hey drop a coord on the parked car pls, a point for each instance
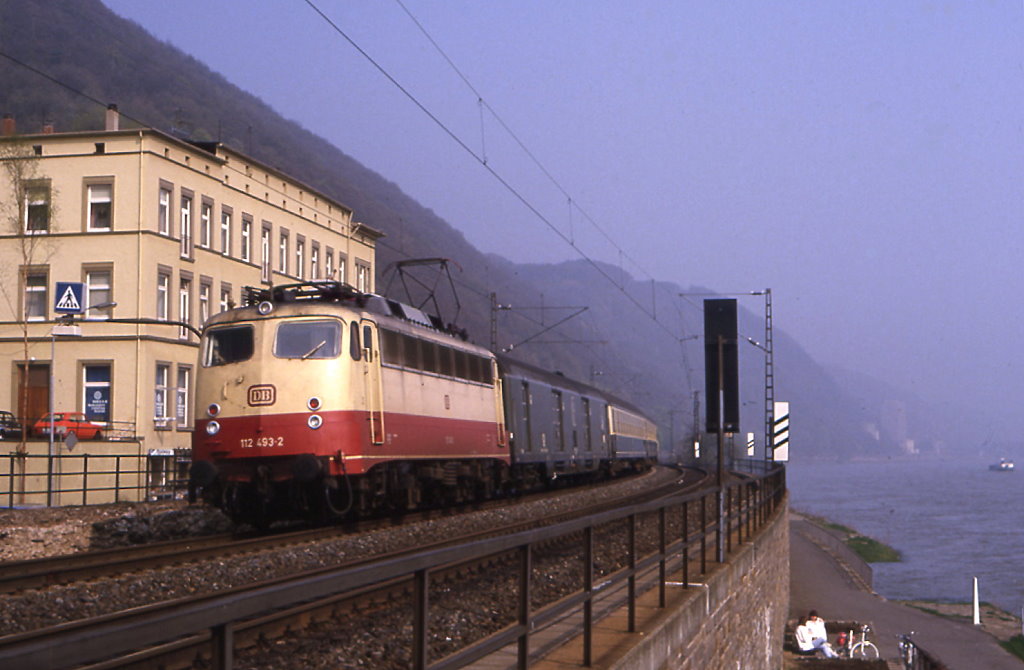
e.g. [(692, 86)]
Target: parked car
[(68, 422), (10, 428)]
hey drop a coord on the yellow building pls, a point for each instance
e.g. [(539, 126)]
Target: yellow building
[(167, 230)]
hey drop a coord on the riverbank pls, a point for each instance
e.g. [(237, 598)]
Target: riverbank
[(1002, 625), (868, 548), (821, 580)]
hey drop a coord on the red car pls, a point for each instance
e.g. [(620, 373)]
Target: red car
[(68, 422)]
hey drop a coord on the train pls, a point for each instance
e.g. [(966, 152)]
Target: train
[(315, 401)]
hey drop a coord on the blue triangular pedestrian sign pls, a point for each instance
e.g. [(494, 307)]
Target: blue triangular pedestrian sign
[(68, 297)]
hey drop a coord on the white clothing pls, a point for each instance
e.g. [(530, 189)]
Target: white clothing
[(804, 639)]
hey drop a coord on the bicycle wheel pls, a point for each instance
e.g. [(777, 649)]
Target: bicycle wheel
[(864, 650)]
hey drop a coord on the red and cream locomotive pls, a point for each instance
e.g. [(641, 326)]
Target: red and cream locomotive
[(317, 401)]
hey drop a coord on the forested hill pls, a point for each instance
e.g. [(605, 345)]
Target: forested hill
[(91, 57)]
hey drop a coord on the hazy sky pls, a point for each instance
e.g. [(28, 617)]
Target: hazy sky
[(861, 158)]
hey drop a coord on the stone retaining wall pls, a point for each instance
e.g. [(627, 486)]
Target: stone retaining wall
[(735, 620)]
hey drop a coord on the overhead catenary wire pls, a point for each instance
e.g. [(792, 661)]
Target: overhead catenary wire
[(493, 172), (82, 94), (482, 159)]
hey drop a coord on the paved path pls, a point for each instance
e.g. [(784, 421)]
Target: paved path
[(818, 581)]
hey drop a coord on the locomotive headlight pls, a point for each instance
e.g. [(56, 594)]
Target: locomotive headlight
[(265, 307), (213, 409), (314, 404), (314, 421), (212, 428)]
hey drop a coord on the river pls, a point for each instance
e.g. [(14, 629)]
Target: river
[(951, 521)]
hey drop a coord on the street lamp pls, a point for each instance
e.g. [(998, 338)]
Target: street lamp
[(68, 328), (769, 375)]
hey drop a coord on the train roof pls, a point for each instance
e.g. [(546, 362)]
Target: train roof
[(339, 293), (514, 367)]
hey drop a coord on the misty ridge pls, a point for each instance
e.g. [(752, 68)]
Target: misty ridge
[(614, 344)]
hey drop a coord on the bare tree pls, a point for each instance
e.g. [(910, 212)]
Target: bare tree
[(27, 213)]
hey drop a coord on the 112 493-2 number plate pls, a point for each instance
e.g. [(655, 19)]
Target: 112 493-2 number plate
[(263, 442)]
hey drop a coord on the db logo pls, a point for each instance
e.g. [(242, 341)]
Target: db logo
[(263, 394)]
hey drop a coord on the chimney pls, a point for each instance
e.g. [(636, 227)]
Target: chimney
[(113, 118), (47, 127), (9, 126)]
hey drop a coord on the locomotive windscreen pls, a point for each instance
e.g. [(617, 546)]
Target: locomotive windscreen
[(227, 345), (308, 339)]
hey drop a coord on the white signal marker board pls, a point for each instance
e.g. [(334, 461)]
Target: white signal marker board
[(780, 432)]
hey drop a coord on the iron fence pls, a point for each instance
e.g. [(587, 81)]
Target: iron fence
[(216, 619), (32, 480), (914, 657), (110, 431)]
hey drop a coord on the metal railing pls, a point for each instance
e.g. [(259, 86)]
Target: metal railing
[(86, 479), (913, 657), (215, 620), (113, 431)]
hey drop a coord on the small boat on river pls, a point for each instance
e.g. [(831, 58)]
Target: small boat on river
[(1004, 465)]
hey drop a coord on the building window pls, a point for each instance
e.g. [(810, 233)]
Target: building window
[(204, 302), (186, 226), (329, 264), (314, 262), (181, 396), (246, 237), (163, 216), (96, 393), (300, 257), (99, 290), (36, 294), (282, 254), (184, 306), (363, 278), (225, 232), (342, 269), (100, 199), (161, 390), (163, 292), (265, 254), (205, 224), (225, 297), (37, 208)]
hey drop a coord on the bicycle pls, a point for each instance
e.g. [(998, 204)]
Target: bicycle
[(859, 649), (908, 650)]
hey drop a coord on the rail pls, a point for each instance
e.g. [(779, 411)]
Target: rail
[(83, 479), (217, 618)]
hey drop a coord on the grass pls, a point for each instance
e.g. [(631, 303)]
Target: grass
[(870, 549), (1015, 645)]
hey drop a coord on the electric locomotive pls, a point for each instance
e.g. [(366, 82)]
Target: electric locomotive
[(317, 401)]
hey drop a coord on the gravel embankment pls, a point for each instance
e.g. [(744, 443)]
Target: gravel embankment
[(28, 533)]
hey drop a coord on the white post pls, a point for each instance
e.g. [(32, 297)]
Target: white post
[(977, 610)]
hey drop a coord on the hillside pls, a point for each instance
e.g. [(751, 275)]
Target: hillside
[(612, 343)]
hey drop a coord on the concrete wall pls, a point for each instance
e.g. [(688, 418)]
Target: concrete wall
[(735, 622)]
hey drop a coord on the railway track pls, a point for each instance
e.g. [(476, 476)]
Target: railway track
[(83, 566), (83, 630), (65, 569)]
